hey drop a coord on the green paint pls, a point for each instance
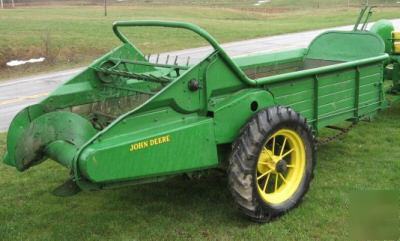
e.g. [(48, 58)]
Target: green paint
[(172, 146), (124, 120), (384, 29)]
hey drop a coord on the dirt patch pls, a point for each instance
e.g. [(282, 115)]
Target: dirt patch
[(269, 10)]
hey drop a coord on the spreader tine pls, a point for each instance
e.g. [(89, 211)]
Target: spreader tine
[(187, 61), (166, 62)]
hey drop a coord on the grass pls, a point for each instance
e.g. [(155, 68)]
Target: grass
[(368, 158), (75, 35)]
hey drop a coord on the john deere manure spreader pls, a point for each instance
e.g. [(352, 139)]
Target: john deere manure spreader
[(126, 120)]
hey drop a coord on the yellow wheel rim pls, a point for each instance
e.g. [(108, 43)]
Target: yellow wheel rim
[(280, 166)]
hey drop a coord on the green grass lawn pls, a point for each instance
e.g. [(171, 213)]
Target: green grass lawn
[(368, 158), (75, 35)]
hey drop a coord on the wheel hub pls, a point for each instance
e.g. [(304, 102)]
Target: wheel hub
[(281, 166), (271, 162)]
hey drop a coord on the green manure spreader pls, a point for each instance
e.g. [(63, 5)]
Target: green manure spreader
[(126, 120)]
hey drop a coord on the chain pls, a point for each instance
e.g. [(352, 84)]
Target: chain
[(343, 131)]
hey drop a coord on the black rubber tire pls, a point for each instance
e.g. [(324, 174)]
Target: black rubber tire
[(244, 157)]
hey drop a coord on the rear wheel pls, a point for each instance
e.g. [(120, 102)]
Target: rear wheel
[(271, 163)]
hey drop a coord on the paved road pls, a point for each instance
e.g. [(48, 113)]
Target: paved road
[(16, 94)]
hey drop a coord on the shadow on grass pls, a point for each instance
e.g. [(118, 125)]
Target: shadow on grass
[(179, 198)]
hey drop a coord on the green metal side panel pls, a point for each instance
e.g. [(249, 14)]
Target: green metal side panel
[(297, 93), (220, 79), (331, 98), (233, 111), (175, 146)]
